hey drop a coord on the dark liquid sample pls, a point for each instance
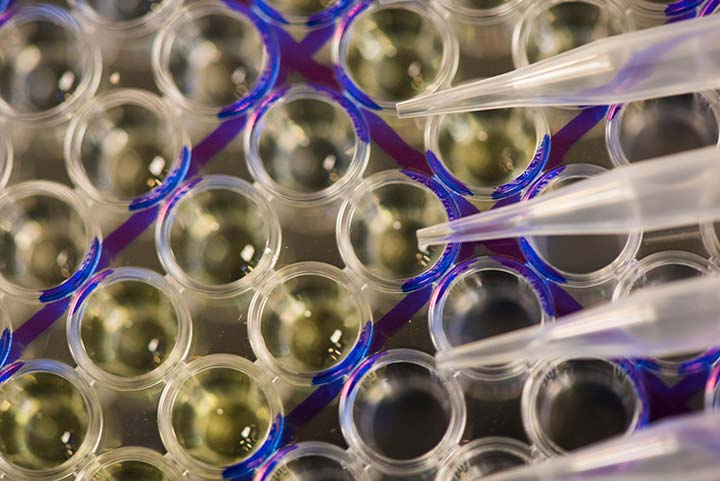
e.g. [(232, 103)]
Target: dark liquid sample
[(409, 424), (580, 254), (667, 126), (662, 275), (402, 411), (487, 303), (585, 413)]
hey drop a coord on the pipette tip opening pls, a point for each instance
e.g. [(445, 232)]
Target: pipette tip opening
[(433, 235)]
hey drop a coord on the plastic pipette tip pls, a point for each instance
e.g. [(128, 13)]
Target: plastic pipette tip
[(434, 235)]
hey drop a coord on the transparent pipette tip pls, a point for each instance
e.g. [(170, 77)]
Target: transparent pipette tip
[(131, 463), (572, 403), (399, 414), (482, 298), (51, 421), (64, 73), (550, 28), (309, 323), (129, 19), (128, 328), (230, 223), (415, 52), (126, 149), (312, 461), (239, 71), (220, 417), (49, 242), (546, 29), (307, 145), (637, 131), (484, 457), (563, 258), (662, 268)]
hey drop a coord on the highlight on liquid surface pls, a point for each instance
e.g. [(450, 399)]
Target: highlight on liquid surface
[(220, 416), (487, 149), (42, 241), (585, 401), (128, 328), (129, 470), (218, 236), (125, 10), (310, 323), (43, 420), (306, 145), (488, 303), (578, 254), (394, 54), (568, 25), (300, 7), (127, 150), (665, 126), (312, 468), (384, 225), (402, 411), (40, 66), (216, 59)]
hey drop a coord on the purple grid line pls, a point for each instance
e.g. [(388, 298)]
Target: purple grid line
[(298, 58)]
